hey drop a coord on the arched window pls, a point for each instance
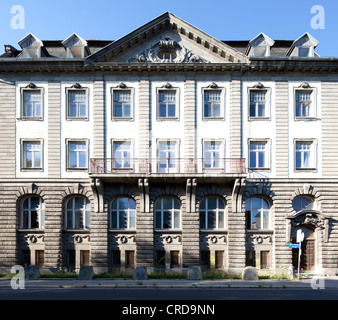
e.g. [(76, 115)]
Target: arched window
[(78, 213), (212, 213), (122, 213), (303, 203), (257, 213), (32, 213), (167, 213)]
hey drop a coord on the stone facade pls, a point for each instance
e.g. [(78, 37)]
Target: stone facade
[(198, 206)]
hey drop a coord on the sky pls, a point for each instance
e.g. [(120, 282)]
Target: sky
[(222, 19)]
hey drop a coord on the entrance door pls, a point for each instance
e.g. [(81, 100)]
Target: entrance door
[(308, 255), (307, 259)]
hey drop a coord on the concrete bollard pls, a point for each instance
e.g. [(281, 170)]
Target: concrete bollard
[(86, 273), (195, 273), (140, 273), (250, 273)]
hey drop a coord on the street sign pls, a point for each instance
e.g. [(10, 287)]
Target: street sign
[(293, 245)]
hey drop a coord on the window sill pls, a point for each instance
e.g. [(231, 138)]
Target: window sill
[(213, 119), (206, 231), (259, 169), (31, 170), (122, 230), (77, 169), (30, 118), (83, 231), (130, 119), (306, 119), (168, 119), (259, 119), (299, 170), (77, 119), (263, 231), (168, 231), (21, 230)]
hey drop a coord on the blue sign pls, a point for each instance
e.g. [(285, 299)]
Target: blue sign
[(293, 245)]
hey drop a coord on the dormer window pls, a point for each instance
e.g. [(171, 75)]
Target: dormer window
[(304, 51), (260, 46), (76, 47), (303, 47), (31, 47)]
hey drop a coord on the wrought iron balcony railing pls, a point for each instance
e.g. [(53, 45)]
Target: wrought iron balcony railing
[(167, 166)]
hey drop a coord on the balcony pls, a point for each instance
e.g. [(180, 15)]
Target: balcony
[(168, 167)]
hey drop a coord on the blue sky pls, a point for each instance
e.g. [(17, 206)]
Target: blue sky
[(222, 19)]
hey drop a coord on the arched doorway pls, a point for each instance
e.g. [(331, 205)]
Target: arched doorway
[(311, 222)]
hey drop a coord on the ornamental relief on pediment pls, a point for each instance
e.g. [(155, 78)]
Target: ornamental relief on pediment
[(167, 51)]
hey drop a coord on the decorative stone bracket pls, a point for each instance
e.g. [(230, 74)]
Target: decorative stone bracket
[(310, 218)]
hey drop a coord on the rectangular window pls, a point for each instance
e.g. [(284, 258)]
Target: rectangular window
[(77, 155), (304, 104), (70, 259), (39, 258), (32, 155), (84, 257), (167, 156), (258, 155), (77, 104), (25, 258), (258, 104), (212, 104), (250, 258), (205, 259), (32, 104), (160, 258), (130, 259), (264, 259), (174, 259), (116, 256), (167, 104), (219, 259), (122, 104), (122, 155), (212, 154), (304, 155)]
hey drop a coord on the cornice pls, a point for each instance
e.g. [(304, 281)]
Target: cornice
[(268, 64)]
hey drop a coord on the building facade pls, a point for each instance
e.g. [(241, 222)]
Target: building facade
[(168, 148)]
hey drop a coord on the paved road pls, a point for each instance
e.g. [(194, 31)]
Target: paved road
[(169, 294)]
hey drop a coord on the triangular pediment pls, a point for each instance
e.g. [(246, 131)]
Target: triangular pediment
[(167, 39)]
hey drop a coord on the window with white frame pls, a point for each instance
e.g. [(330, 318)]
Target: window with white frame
[(257, 213), (123, 213), (213, 102), (213, 154), (258, 155), (167, 104), (167, 213), (32, 154), (78, 213), (258, 104), (77, 104), (122, 154), (212, 213), (32, 213), (122, 104), (167, 156), (77, 154), (304, 104), (32, 104), (304, 155)]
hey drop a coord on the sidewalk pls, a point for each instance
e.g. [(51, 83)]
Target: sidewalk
[(164, 283)]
